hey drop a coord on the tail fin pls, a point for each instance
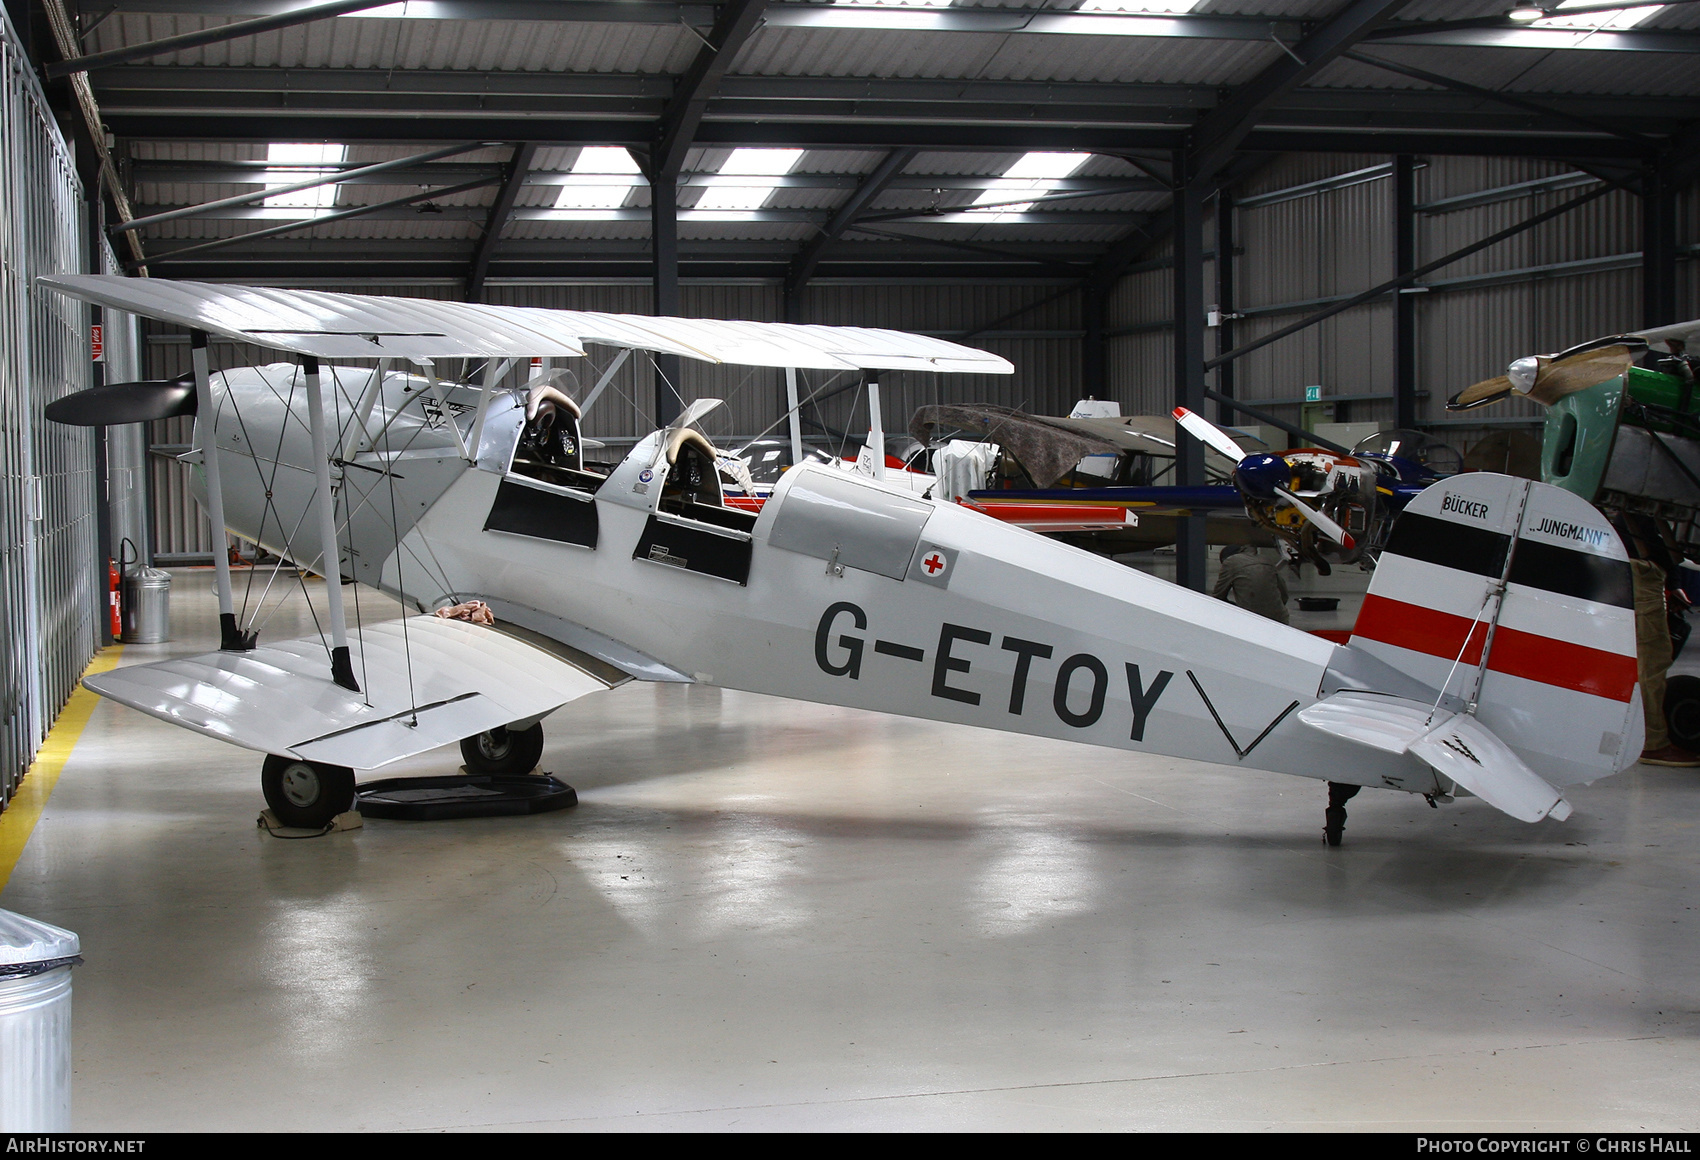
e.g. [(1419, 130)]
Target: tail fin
[(1559, 683)]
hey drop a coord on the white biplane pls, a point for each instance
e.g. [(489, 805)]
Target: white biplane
[(1495, 654)]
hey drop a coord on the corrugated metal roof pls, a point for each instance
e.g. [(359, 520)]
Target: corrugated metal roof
[(1522, 70), (635, 49), (525, 46), (839, 52)]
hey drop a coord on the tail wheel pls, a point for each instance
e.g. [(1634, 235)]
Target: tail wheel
[(503, 751), (1682, 711), (307, 794)]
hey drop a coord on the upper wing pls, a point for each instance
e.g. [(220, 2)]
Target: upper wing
[(330, 325), (442, 681)]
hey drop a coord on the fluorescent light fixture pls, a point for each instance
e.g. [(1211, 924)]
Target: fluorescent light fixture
[(1596, 21), (754, 164), (601, 179), (1526, 14), (1155, 7), (1033, 173), (897, 3), (297, 162)]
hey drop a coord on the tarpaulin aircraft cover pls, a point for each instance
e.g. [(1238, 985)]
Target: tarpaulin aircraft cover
[(329, 325)]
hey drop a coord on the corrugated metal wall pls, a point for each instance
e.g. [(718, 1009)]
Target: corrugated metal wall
[(1294, 252), (47, 485)]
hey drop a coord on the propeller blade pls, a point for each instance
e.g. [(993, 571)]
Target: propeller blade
[(1578, 372), (125, 403), (1209, 434), (1323, 524), (1481, 394)]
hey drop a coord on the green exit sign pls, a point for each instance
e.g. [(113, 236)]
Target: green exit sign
[(1313, 394)]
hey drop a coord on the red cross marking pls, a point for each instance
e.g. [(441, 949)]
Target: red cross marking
[(933, 563)]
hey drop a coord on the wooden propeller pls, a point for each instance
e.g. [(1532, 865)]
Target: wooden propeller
[(1554, 378)]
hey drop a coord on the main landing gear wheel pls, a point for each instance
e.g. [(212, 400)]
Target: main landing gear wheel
[(306, 794), (503, 751), (1334, 818)]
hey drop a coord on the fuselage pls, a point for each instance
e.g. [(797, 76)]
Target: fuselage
[(849, 593)]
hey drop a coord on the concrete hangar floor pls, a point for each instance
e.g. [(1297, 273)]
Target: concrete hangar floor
[(771, 915)]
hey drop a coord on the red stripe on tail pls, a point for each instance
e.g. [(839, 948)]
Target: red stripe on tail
[(1515, 653)]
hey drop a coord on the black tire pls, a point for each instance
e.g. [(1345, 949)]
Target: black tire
[(307, 794), (503, 751), (1682, 711)]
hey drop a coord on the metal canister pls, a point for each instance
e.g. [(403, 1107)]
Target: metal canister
[(35, 1024), (147, 606)]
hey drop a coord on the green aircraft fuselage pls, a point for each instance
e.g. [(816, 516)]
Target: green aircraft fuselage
[(1576, 444)]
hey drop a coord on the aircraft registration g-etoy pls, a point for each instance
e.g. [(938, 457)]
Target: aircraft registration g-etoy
[(1495, 655)]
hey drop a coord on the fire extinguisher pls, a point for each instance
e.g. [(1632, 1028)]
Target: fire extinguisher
[(115, 584), (114, 589)]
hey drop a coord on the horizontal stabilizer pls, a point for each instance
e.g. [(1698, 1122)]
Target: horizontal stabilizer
[(1457, 745), (445, 680)]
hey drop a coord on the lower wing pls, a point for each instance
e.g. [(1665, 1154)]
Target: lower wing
[(425, 682)]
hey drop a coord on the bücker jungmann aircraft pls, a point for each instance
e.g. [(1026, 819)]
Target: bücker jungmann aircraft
[(1495, 654)]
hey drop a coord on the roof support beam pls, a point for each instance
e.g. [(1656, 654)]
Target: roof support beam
[(1509, 99), (1405, 305), (738, 22), (1658, 249), (1222, 130), (952, 137), (501, 210), (1188, 292), (323, 219), (203, 36), (803, 267), (974, 248), (332, 178)]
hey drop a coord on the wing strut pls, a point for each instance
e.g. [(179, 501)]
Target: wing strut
[(876, 428), (330, 560), (791, 414), (231, 638)]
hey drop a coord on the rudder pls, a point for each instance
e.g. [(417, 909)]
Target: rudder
[(1559, 687)]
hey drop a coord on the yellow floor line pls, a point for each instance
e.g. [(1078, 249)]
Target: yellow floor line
[(24, 810)]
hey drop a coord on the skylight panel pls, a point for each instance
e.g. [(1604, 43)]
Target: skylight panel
[(1596, 21), (753, 165), (601, 179), (1033, 173), (291, 163), (1155, 7)]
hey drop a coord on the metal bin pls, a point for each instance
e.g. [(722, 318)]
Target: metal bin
[(35, 1024), (147, 606)]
